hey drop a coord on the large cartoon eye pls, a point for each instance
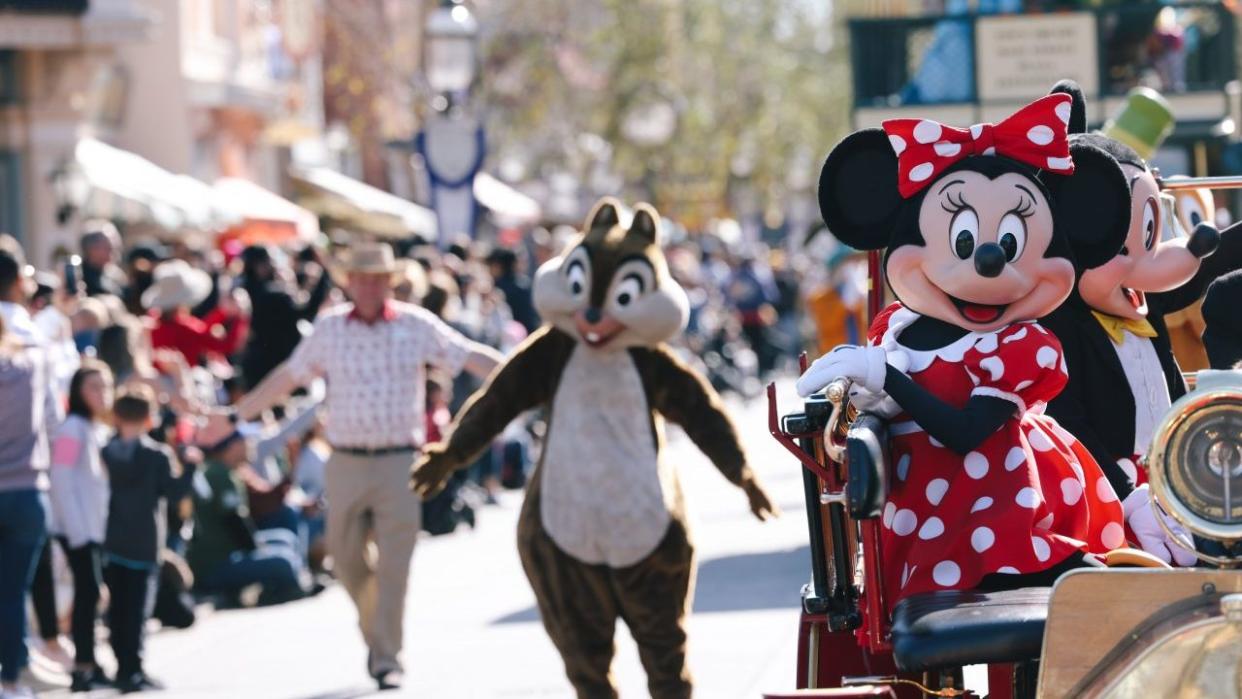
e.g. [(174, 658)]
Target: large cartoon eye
[(576, 276), (1192, 209), (964, 233), (628, 290), (1011, 236), (1150, 222)]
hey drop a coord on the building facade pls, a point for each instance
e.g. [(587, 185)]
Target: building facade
[(57, 84)]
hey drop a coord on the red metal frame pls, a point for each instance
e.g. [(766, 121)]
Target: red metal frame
[(789, 441), (866, 651)]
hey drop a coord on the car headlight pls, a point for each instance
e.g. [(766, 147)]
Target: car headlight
[(1195, 462)]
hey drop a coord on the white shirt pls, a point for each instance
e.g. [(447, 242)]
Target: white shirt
[(17, 321), (62, 351), (376, 373), (80, 490), (1146, 378)]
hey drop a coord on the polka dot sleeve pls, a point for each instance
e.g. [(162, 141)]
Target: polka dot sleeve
[(1022, 363)]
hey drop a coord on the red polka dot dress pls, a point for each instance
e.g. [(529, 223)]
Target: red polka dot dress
[(1024, 500)]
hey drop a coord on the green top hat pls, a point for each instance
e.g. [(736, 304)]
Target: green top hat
[(1143, 123)]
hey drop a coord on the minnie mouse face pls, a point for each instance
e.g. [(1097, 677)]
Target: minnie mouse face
[(983, 262), (1146, 263), (982, 244)]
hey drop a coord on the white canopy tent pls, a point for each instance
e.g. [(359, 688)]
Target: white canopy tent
[(361, 207)]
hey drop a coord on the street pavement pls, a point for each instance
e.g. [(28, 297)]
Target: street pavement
[(472, 629)]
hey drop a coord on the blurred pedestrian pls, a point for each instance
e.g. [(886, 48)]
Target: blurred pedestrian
[(144, 477), (503, 264), (752, 292), (373, 353), (29, 410), (224, 553), (47, 308), (177, 288), (99, 243), (140, 263), (274, 312), (79, 491)]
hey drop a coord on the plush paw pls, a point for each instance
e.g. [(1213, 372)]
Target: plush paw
[(761, 505), (431, 470)]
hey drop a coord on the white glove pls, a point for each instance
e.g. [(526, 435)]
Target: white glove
[(877, 403), (1141, 514), (862, 365)]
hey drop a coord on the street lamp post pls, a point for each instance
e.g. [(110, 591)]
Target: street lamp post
[(452, 140)]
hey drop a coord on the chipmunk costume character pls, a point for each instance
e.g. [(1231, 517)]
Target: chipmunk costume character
[(603, 532)]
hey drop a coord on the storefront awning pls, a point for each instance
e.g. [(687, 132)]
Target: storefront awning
[(360, 207), (120, 185), (252, 214), (508, 206)]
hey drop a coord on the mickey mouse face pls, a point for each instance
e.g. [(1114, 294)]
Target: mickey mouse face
[(1146, 263), (983, 261)]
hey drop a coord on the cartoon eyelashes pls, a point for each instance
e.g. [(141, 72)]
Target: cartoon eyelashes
[(1010, 234)]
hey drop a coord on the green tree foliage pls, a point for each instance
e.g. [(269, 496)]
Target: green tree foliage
[(762, 86)]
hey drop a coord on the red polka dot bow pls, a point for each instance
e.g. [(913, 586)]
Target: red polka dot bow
[(1035, 135)]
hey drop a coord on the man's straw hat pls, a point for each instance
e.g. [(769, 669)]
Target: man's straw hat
[(368, 258)]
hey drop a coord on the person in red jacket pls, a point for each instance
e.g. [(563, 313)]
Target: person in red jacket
[(177, 288)]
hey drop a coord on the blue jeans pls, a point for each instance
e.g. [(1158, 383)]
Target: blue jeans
[(275, 572), (23, 529)]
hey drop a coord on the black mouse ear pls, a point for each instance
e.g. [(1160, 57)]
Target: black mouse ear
[(1092, 206), (1078, 108), (858, 195)]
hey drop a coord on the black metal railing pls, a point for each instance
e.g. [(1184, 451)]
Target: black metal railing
[(1188, 47)]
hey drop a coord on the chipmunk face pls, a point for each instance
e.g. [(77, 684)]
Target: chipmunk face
[(612, 289)]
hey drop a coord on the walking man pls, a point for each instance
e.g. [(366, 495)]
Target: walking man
[(373, 354)]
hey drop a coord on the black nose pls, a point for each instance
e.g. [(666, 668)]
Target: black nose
[(989, 260), (592, 315)]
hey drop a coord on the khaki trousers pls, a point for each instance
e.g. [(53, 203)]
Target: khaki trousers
[(369, 500)]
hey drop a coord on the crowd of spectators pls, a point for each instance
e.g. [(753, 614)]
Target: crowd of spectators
[(109, 363)]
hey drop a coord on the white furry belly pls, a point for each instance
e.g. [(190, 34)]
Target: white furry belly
[(603, 494)]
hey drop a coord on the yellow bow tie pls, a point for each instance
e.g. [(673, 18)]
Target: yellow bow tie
[(1115, 327)]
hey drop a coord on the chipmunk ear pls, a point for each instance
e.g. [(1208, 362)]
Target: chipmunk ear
[(605, 214), (646, 223), (858, 195)]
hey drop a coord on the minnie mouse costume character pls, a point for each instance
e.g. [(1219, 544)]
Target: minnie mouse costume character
[(987, 492), (1123, 375)]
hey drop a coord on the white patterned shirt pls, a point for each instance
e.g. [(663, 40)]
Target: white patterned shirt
[(376, 372)]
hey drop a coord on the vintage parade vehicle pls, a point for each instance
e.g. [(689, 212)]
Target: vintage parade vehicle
[(1135, 628)]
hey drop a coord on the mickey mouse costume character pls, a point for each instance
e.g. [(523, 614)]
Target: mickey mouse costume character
[(987, 492), (1123, 375), (603, 533)]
